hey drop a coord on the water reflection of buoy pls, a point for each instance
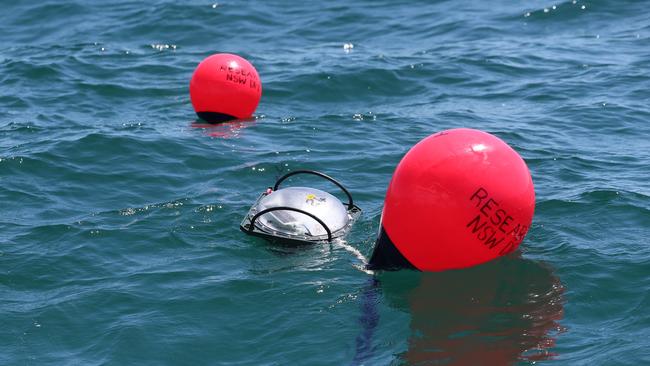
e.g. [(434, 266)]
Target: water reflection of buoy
[(225, 87), (497, 314), (224, 130), (458, 198)]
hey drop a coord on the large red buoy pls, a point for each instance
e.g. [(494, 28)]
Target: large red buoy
[(458, 198), (225, 87)]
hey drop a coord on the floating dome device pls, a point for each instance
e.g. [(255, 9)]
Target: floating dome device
[(300, 215)]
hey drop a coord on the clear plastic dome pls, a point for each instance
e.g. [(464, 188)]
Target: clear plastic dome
[(321, 204)]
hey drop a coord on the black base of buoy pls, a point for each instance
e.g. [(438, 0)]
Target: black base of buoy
[(386, 256), (214, 117)]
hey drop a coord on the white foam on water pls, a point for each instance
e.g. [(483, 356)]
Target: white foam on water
[(364, 261)]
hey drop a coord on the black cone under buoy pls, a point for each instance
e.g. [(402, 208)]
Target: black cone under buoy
[(214, 117), (386, 256)]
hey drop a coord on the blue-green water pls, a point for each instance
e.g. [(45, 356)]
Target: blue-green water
[(119, 238)]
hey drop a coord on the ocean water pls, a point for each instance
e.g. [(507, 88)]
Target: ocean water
[(119, 237)]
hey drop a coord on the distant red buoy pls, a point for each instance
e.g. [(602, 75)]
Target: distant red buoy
[(225, 87), (457, 199)]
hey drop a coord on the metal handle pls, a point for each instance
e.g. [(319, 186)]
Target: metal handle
[(313, 172), (285, 208)]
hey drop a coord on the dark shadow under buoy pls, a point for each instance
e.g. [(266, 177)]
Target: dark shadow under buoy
[(499, 313), (214, 117)]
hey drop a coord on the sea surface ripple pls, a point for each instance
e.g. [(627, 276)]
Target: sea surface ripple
[(119, 238)]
